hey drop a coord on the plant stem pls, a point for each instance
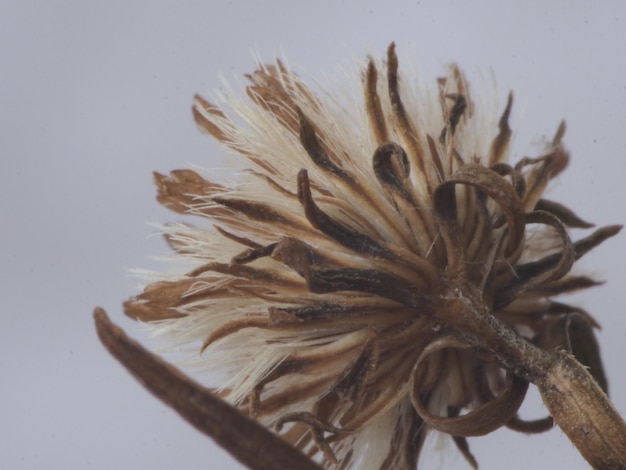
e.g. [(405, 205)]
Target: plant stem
[(584, 412), (575, 400)]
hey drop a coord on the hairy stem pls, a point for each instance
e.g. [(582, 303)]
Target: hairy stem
[(584, 412), (575, 400)]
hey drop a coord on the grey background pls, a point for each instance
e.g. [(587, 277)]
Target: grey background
[(96, 95)]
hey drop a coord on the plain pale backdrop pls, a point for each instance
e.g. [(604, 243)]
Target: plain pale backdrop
[(94, 96)]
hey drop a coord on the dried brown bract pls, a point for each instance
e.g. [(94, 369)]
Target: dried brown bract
[(381, 272)]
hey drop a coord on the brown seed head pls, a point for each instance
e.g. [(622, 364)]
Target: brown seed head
[(331, 294)]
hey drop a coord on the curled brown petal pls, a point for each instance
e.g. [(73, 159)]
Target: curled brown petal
[(358, 188), (564, 214), (349, 309), (581, 247), (351, 382), (256, 448), (237, 239), (454, 115), (253, 254), (490, 183), (245, 272), (546, 168), (565, 285), (517, 179), (463, 446), (304, 260), (461, 442), (321, 221), (526, 278), (392, 169), (498, 150), (258, 211), (559, 308), (435, 157), (371, 281), (587, 244), (374, 108), (235, 325), (502, 192), (481, 420), (445, 210), (391, 166), (534, 426), (313, 147), (406, 127)]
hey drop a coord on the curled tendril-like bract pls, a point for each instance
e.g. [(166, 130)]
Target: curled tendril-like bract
[(485, 417)]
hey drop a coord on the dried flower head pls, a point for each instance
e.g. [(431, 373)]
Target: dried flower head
[(379, 272)]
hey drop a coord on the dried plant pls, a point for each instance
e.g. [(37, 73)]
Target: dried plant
[(381, 271)]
